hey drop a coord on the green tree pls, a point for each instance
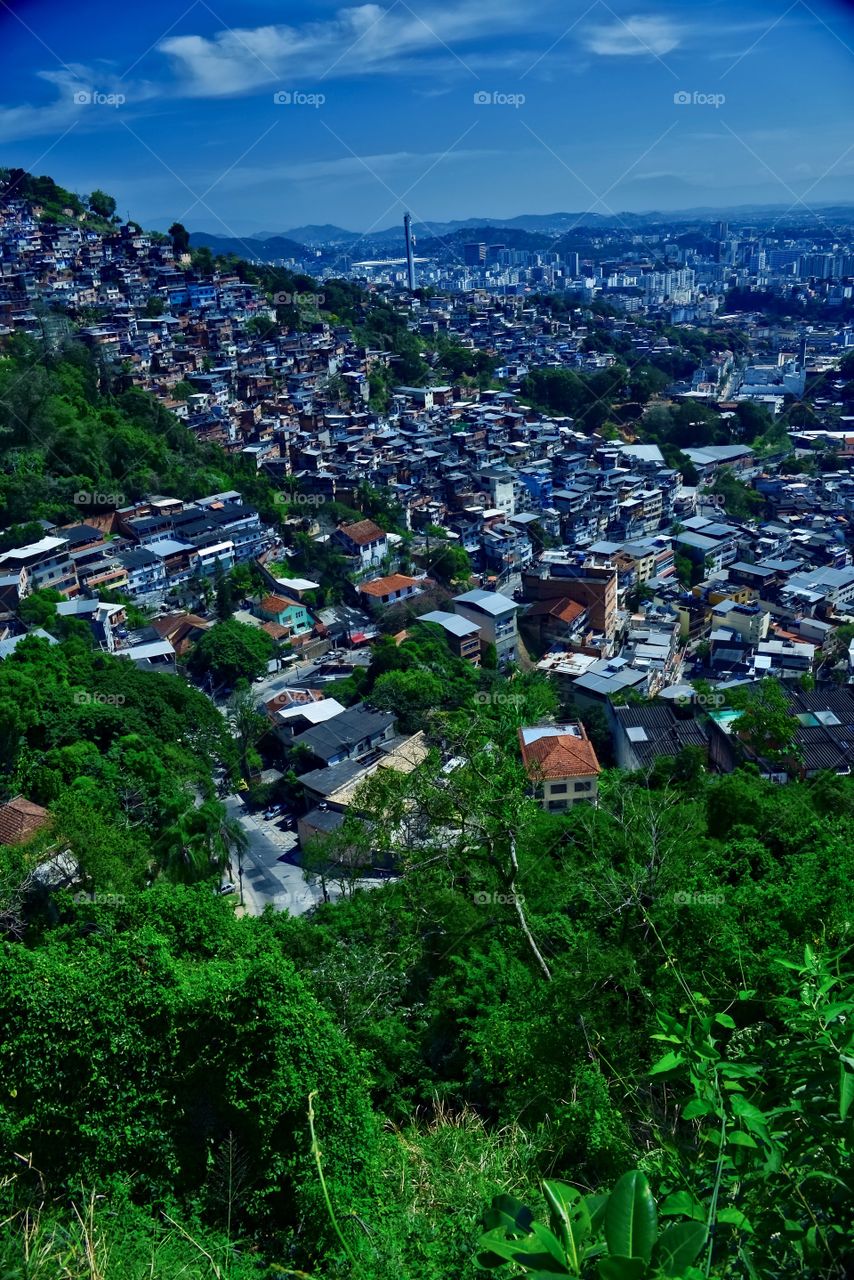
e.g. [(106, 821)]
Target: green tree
[(232, 650), (102, 204), (180, 239), (766, 724), (246, 723)]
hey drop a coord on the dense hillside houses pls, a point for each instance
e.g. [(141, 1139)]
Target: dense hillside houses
[(525, 516)]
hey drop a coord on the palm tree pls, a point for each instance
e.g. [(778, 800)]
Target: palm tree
[(182, 849), (195, 843), (247, 726), (230, 837)]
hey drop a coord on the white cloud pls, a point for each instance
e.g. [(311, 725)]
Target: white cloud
[(72, 84), (361, 40), (633, 37)]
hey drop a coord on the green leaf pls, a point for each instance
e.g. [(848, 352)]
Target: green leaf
[(739, 1071), (724, 1020), (846, 1090), (552, 1245), (526, 1252), (733, 1218), (570, 1220), (668, 1063), (739, 1139), (596, 1208), (631, 1221), (679, 1245), (619, 1268), (697, 1107), (508, 1212), (684, 1204)]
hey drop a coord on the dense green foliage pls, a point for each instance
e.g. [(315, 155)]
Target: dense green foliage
[(150, 1037), (232, 650), (69, 431)]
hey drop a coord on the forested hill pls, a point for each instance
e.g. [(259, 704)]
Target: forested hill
[(65, 430), (487, 1022)]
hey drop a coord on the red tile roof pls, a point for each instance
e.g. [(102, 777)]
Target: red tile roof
[(556, 756), (19, 819), (275, 631), (385, 586), (565, 609), (362, 532), (275, 604)]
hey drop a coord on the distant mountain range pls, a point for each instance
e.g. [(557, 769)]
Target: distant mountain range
[(266, 250), (329, 238)]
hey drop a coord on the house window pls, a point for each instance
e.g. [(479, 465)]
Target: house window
[(557, 804), (558, 789), (584, 786)]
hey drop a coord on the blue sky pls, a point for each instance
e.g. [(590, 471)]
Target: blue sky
[(386, 107)]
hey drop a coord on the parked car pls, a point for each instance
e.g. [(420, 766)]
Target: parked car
[(228, 887)]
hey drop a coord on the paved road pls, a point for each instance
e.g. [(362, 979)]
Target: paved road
[(266, 881), (510, 584)]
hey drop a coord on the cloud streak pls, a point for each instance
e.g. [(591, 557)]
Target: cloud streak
[(362, 40), (633, 37)]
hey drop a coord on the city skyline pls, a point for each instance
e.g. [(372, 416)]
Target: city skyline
[(351, 115)]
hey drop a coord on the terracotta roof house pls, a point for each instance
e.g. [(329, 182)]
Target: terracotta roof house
[(20, 819), (285, 613), (364, 539), (561, 764), (182, 630), (391, 590), (361, 533), (556, 621)]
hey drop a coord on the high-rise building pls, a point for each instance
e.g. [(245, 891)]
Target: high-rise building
[(474, 255), (410, 259)]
